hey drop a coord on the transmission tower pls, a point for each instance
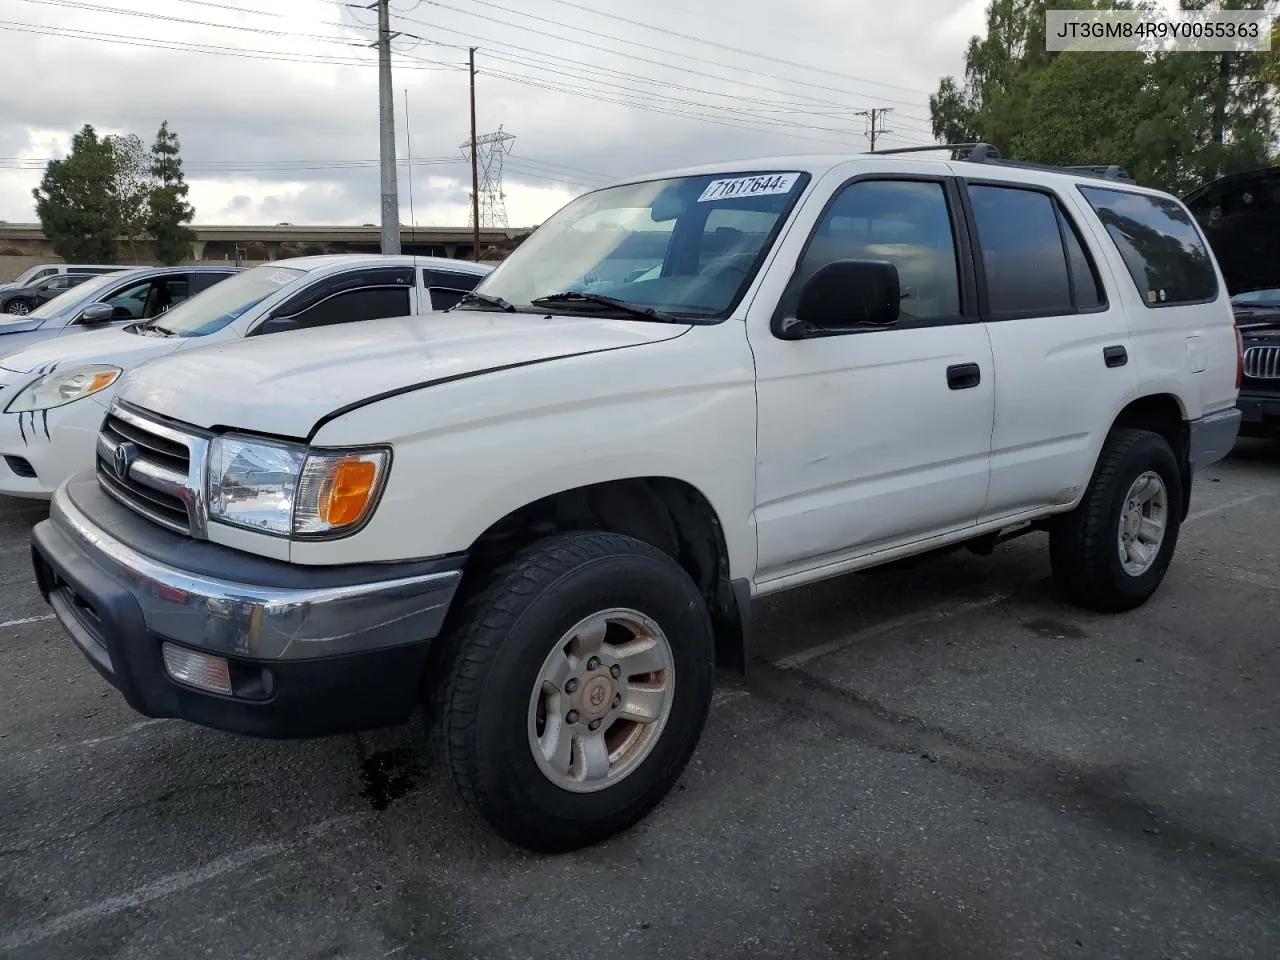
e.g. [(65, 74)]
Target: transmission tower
[(491, 149)]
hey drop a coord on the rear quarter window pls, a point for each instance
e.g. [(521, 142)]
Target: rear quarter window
[(1160, 246)]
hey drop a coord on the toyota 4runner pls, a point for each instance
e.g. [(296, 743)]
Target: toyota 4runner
[(545, 514)]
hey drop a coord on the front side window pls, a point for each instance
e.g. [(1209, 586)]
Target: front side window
[(1159, 243), (906, 222), (686, 248), (353, 306)]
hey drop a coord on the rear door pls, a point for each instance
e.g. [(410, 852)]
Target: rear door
[(1060, 340)]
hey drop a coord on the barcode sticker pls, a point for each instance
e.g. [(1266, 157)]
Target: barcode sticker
[(762, 186)]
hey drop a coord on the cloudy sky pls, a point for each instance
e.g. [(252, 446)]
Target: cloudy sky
[(275, 101)]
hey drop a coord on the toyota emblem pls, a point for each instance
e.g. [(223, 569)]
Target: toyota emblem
[(125, 454)]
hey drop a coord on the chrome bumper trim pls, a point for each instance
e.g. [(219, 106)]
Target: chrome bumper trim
[(265, 623)]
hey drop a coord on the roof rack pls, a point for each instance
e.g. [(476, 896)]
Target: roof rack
[(986, 153)]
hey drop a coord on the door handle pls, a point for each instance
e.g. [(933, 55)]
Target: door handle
[(1116, 356), (963, 376)]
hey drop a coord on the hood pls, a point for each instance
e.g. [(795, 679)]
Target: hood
[(88, 346), (1240, 216), (18, 325), (284, 383)]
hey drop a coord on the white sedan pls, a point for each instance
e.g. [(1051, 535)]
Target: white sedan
[(53, 395)]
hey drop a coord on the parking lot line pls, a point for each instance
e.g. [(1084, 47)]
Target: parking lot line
[(1223, 507), (164, 887), (912, 619), (26, 620)]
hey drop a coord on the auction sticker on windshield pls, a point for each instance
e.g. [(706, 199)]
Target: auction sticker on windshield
[(282, 278), (762, 186)]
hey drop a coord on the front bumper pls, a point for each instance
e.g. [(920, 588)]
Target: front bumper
[(312, 651), (1260, 414), (38, 451)]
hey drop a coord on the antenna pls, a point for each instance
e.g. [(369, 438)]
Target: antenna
[(413, 220)]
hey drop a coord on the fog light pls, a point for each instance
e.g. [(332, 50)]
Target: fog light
[(197, 669)]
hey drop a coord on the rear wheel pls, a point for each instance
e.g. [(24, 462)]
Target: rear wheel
[(1112, 552), (18, 308), (577, 683)]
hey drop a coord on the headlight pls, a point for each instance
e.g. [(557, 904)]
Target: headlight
[(292, 490), (63, 387)]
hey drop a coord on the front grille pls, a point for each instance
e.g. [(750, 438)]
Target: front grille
[(1262, 363), (157, 479)]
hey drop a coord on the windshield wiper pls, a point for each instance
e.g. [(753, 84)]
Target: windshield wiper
[(473, 297), (154, 325), (578, 296)]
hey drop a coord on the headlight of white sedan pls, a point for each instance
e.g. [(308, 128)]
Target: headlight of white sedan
[(64, 386), (291, 490)]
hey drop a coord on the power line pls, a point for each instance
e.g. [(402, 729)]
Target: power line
[(753, 54)]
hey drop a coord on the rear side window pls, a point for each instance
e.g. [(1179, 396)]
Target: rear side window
[(1085, 288), (1160, 245), (1022, 252)]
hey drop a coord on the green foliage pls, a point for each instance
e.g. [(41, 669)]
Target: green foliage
[(77, 202), (1172, 119), (109, 189), (169, 209)]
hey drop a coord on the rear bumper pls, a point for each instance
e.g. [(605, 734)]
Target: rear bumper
[(1211, 437), (310, 651), (1260, 414)]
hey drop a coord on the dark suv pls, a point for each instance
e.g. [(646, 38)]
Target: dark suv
[(1258, 319)]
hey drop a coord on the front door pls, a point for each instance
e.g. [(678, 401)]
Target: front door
[(877, 438)]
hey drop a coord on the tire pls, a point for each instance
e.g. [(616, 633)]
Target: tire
[(1086, 545), (17, 308), (494, 657)]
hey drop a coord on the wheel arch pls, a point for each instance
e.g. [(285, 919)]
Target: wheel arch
[(1164, 414), (670, 514)]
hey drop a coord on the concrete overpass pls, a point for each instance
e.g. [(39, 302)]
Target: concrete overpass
[(258, 243)]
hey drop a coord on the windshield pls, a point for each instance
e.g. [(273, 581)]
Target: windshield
[(26, 277), (210, 311), (81, 293), (686, 247), (1269, 298)]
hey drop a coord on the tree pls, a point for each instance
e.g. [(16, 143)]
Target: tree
[(1173, 119), (169, 209), (134, 183), (76, 200)]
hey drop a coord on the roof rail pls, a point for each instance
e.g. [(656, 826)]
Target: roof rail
[(986, 153)]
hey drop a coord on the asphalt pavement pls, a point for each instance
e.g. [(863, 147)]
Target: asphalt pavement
[(940, 762)]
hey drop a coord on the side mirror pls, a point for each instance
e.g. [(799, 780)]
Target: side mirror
[(846, 295), (98, 313)]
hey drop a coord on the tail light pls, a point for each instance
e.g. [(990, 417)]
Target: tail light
[(1239, 359)]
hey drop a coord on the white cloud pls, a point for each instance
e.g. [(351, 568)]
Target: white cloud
[(287, 129)]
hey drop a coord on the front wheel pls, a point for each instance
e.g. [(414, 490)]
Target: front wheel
[(1112, 552), (18, 308), (577, 684)]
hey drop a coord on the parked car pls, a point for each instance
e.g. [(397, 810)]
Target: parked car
[(54, 394), (1257, 315), (20, 301), (550, 510), (132, 295), (44, 270)]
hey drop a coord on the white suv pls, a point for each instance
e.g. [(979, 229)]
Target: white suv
[(547, 512)]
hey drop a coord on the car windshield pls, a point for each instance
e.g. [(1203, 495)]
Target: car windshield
[(226, 301), (1265, 298), (683, 248), (26, 277), (81, 293)]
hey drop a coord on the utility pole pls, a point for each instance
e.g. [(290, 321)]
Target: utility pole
[(387, 130), (873, 115), (475, 170)]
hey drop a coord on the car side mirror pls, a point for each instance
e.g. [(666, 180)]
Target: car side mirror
[(98, 313), (843, 296)]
